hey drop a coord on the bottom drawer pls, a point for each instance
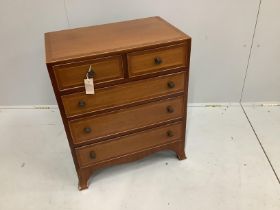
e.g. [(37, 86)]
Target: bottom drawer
[(91, 154)]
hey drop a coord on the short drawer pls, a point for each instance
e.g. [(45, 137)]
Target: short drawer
[(80, 103), (72, 75), (144, 62), (106, 125), (106, 150)]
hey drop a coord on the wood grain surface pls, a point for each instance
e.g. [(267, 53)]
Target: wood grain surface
[(113, 37), (128, 144), (72, 75), (124, 120), (123, 94), (143, 62)]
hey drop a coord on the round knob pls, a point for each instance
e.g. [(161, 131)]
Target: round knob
[(158, 60), (91, 73), (92, 155), (82, 103), (170, 84), (87, 129), (170, 109), (170, 133)]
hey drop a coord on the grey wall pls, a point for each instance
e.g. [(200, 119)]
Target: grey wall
[(222, 32), (263, 76)]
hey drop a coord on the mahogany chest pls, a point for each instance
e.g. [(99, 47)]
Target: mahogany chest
[(140, 71)]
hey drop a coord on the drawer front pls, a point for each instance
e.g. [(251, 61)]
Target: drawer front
[(154, 60), (89, 155), (73, 75), (106, 125), (80, 103)]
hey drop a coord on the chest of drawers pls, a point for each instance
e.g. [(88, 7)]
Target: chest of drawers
[(140, 73)]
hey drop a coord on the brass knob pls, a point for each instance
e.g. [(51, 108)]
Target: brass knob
[(169, 109), (170, 133), (158, 60), (87, 129), (90, 73), (92, 155), (170, 84), (82, 103)]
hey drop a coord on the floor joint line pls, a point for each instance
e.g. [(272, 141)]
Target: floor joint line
[(260, 143)]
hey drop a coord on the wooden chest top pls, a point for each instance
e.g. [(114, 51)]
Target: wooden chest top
[(109, 38)]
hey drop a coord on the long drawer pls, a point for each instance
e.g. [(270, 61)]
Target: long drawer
[(80, 103), (92, 154), (92, 128)]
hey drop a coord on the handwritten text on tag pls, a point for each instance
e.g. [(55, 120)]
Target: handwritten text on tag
[(89, 86)]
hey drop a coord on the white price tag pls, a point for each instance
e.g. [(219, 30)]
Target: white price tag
[(89, 86)]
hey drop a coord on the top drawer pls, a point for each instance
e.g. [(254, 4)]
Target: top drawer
[(72, 75), (144, 62)]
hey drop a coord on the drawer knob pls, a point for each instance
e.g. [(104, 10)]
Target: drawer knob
[(158, 60), (170, 84), (170, 133), (87, 129), (92, 155), (170, 109), (90, 73), (82, 103)]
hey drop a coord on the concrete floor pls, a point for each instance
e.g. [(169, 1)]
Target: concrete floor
[(229, 166)]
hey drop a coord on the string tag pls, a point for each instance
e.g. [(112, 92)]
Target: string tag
[(89, 85)]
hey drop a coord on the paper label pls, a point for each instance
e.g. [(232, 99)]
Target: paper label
[(89, 86)]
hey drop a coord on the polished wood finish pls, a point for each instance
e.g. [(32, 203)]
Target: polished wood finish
[(148, 61), (123, 94), (109, 38), (101, 151), (125, 120), (85, 173), (71, 75), (141, 82)]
